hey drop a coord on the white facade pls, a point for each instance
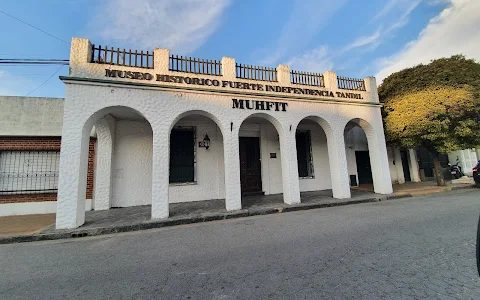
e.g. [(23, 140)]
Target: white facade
[(135, 118)]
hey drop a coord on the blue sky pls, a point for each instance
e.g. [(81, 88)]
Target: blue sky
[(351, 37)]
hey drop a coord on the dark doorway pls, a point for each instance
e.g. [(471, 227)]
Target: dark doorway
[(250, 168), (406, 169), (364, 169)]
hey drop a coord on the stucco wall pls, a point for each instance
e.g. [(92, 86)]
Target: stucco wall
[(133, 158), (132, 164), (31, 116)]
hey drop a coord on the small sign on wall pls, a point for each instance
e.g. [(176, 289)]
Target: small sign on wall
[(273, 155)]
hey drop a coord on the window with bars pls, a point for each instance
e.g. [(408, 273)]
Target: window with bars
[(304, 154), (29, 172), (182, 155)]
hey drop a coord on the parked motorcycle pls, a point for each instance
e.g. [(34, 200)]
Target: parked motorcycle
[(456, 170)]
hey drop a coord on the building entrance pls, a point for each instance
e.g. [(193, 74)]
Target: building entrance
[(406, 168), (364, 168), (250, 166)]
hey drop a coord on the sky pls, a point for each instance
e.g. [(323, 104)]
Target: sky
[(354, 38)]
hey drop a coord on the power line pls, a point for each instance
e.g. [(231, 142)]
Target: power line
[(1, 11), (41, 61), (45, 81)]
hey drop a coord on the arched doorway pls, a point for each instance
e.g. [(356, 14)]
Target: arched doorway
[(264, 157), (117, 137), (367, 160), (196, 164), (312, 154)]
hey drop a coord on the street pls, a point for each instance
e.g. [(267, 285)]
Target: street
[(413, 248)]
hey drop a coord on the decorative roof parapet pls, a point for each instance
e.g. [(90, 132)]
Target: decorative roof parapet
[(89, 61)]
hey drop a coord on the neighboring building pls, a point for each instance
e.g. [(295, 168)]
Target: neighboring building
[(171, 129), (30, 135), (467, 159)]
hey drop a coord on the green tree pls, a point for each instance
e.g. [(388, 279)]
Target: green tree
[(435, 106)]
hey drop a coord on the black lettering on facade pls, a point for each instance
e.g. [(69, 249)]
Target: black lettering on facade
[(260, 105), (269, 105), (110, 73), (237, 103)]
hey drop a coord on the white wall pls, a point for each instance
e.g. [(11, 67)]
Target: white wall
[(321, 166), (209, 172), (34, 208), (393, 168), (133, 157), (132, 164), (31, 116)]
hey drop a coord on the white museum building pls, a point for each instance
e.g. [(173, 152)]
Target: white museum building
[(153, 128)]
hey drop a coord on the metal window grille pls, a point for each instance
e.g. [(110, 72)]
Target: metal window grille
[(304, 154), (195, 65), (256, 73), (123, 57), (346, 83), (28, 172), (183, 155), (307, 78)]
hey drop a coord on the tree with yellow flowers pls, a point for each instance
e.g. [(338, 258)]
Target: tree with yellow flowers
[(435, 106)]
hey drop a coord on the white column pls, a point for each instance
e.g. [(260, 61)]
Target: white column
[(382, 182), (233, 193), (72, 180), (160, 172), (105, 129), (371, 88), (337, 158), (413, 163), (290, 179), (399, 165)]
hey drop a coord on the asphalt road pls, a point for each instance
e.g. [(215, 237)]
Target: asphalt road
[(418, 248)]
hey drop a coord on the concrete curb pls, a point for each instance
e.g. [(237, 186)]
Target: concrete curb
[(76, 233)]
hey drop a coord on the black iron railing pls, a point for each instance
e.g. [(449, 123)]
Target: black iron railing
[(346, 83), (195, 65), (256, 73), (122, 57), (29, 172), (306, 78)]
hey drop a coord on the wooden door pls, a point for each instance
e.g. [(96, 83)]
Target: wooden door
[(364, 169), (250, 166)]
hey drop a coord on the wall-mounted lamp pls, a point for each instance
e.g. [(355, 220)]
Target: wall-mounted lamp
[(205, 143)]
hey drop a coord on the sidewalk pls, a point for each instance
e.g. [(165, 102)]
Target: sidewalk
[(29, 228), (419, 188), (25, 225)]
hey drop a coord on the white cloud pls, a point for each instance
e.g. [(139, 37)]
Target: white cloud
[(385, 10), (363, 41), (306, 20), (180, 25), (318, 60), (455, 30), (324, 59)]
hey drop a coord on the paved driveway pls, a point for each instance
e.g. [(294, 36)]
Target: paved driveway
[(414, 248)]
